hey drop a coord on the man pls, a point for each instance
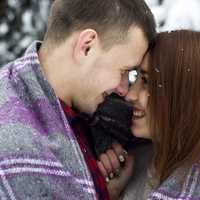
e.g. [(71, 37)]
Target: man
[(87, 50)]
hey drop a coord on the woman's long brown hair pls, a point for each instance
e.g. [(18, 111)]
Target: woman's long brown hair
[(174, 104)]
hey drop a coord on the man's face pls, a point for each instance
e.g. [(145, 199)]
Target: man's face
[(107, 72)]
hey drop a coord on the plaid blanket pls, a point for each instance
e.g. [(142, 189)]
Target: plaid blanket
[(39, 154), (176, 187), (180, 187)]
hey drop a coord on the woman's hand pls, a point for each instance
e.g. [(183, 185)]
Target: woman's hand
[(116, 165)]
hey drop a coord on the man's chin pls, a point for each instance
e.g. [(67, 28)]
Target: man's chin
[(92, 111), (88, 111)]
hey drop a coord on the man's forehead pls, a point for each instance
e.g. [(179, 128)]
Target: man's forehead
[(137, 36), (137, 54), (136, 61)]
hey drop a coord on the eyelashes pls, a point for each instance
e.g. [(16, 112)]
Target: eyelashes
[(144, 79)]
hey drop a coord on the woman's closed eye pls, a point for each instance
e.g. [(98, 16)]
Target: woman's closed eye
[(144, 79)]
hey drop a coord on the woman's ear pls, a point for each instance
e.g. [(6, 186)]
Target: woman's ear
[(85, 42)]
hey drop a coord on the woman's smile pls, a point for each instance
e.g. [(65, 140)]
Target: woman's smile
[(138, 113)]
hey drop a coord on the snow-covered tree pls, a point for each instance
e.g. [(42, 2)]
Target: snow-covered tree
[(21, 22), (176, 14)]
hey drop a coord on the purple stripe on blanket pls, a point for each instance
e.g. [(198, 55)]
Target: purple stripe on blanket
[(45, 172), (170, 195), (28, 165), (40, 116)]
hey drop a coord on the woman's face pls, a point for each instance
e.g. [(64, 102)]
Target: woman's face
[(139, 95)]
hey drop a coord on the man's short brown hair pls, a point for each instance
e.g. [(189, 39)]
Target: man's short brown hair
[(104, 16)]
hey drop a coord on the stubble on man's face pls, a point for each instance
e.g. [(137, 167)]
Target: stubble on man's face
[(105, 73)]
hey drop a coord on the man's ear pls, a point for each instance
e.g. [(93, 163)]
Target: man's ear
[(85, 42)]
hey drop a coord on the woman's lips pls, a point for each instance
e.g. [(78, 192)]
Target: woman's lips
[(138, 113)]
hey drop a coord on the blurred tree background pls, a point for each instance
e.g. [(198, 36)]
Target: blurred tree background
[(21, 22)]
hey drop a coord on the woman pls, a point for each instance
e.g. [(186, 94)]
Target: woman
[(166, 99)]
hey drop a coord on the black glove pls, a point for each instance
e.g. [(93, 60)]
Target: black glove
[(111, 122)]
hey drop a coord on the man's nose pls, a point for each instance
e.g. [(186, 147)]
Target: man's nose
[(122, 90), (123, 87)]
